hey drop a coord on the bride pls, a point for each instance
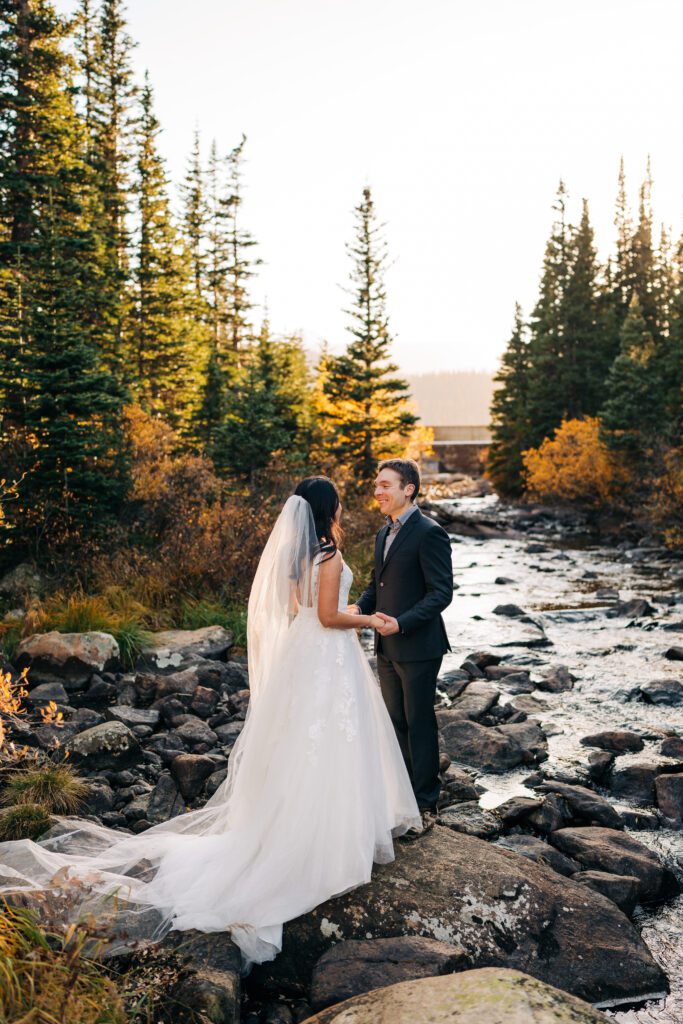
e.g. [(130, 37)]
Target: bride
[(316, 788)]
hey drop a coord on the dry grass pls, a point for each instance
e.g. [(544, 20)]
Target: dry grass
[(55, 787), (24, 821)]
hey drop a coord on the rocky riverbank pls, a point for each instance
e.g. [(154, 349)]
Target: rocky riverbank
[(560, 851)]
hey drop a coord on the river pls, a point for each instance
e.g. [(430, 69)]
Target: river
[(566, 587)]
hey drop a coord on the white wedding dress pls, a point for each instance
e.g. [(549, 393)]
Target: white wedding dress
[(316, 791)]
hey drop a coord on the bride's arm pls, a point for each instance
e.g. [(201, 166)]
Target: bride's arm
[(329, 575)]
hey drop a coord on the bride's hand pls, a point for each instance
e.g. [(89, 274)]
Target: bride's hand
[(376, 622)]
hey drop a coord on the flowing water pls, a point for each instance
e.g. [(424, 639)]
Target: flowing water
[(562, 588)]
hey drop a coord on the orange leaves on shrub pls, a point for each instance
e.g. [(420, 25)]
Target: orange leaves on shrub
[(573, 466), (11, 703)]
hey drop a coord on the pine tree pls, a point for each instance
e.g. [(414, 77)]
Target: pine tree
[(240, 264), (69, 410), (367, 404), (623, 272), (195, 219), (633, 415), (111, 104), (210, 416), (644, 272), (217, 253), (547, 341), (164, 343), (510, 426)]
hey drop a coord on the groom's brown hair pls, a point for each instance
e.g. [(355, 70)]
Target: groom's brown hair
[(407, 470)]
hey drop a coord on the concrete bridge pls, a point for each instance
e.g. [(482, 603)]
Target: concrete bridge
[(460, 449)]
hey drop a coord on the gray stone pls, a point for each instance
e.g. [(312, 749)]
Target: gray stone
[(46, 692), (132, 716), (478, 698), (190, 772), (540, 852), (674, 654), (488, 995), (669, 789), (470, 818), (622, 889), (171, 649), (583, 803), (672, 746), (494, 749), (620, 741), (605, 849), (663, 691), (69, 658), (361, 965), (556, 680), (110, 745), (165, 801), (196, 734), (510, 610)]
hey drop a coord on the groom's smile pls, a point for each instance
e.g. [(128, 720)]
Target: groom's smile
[(392, 497)]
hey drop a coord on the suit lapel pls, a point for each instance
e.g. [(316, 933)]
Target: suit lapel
[(399, 538), (379, 548)]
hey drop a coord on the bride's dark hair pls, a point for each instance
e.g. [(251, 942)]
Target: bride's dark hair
[(323, 497)]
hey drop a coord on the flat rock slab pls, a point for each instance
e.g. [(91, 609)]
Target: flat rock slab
[(360, 965), (69, 658), (489, 995), (170, 649), (109, 745), (604, 849), (473, 820), (618, 741), (502, 909)]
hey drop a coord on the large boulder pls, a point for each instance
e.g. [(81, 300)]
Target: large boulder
[(67, 658), (491, 748), (172, 649), (109, 745), (351, 968), (618, 741), (604, 849), (490, 995), (503, 909), (583, 803)]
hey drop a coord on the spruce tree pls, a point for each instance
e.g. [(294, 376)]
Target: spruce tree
[(547, 342), (195, 219), (510, 426), (240, 262), (644, 267), (165, 347), (69, 406), (368, 407)]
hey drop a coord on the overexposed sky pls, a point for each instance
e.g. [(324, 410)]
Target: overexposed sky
[(461, 116)]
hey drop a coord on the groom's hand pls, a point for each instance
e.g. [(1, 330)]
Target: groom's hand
[(390, 626)]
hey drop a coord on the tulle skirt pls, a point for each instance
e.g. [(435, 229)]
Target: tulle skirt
[(317, 790)]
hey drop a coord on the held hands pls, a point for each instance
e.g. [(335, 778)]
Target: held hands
[(388, 624)]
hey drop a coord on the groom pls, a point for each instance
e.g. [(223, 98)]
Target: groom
[(410, 585)]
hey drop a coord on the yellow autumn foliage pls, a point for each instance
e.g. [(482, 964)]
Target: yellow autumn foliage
[(573, 466)]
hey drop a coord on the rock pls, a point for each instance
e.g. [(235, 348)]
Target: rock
[(674, 654), (488, 995), (669, 790), (672, 746), (621, 889), (552, 814), (637, 608), (511, 610), (360, 965), (235, 677), (165, 801), (470, 818), (556, 680), (484, 659), (599, 763), (503, 581), (110, 745), (190, 772), (101, 692), (476, 700), (211, 990), (132, 716), (641, 820), (516, 809), (635, 782), (228, 733), (69, 658), (204, 701), (100, 798), (620, 741), (86, 718), (196, 734), (605, 849), (215, 780), (473, 671), (494, 749), (185, 681), (170, 649), (663, 691), (583, 803), (24, 580), (457, 785), (540, 852), (503, 909), (46, 692), (503, 672)]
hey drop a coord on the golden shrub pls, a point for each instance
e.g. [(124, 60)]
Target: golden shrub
[(573, 466)]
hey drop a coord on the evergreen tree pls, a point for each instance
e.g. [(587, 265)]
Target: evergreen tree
[(644, 268), (240, 264), (217, 253), (547, 342), (633, 415), (367, 403), (510, 426), (111, 100), (623, 271), (69, 409), (210, 416), (195, 219), (164, 344)]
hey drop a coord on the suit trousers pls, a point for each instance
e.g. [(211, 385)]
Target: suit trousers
[(408, 689)]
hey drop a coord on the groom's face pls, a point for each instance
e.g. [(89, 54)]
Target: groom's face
[(390, 494)]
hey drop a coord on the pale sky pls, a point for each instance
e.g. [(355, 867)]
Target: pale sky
[(461, 116)]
